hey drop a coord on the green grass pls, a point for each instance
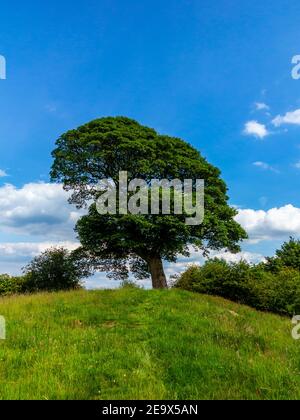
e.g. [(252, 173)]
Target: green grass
[(137, 344)]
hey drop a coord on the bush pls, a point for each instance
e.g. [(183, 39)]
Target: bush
[(55, 269), (282, 291), (251, 285), (129, 284), (12, 285), (217, 277), (287, 256)]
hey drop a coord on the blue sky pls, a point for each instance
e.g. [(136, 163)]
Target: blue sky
[(190, 68)]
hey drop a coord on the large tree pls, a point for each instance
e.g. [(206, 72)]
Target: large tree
[(122, 242)]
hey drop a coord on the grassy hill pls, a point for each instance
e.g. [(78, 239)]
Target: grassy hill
[(127, 344)]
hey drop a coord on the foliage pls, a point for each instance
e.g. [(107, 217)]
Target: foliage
[(252, 285), (12, 284), (102, 148), (287, 256), (129, 284), (55, 269)]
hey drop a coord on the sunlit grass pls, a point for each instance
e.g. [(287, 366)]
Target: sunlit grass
[(137, 344)]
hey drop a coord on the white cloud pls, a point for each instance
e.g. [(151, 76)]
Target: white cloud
[(196, 258), (256, 129), (2, 173), (292, 117), (19, 250), (297, 165), (15, 255), (276, 223), (37, 209), (261, 106), (101, 281), (251, 257), (263, 201), (51, 108), (30, 214), (265, 166)]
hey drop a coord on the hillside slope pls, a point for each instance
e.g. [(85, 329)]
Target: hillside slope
[(127, 344)]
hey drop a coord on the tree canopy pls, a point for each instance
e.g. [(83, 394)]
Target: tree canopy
[(287, 256), (122, 242)]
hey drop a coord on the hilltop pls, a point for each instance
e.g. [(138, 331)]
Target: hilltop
[(132, 343)]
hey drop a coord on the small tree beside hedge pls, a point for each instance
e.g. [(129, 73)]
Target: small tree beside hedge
[(10, 285), (287, 256), (55, 269)]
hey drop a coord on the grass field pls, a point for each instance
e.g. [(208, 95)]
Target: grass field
[(137, 344)]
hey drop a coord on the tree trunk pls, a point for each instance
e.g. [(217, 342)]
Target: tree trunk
[(159, 280)]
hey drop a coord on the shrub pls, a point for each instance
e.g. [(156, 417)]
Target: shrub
[(55, 269), (11, 285), (217, 277), (129, 284), (287, 256), (251, 285)]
